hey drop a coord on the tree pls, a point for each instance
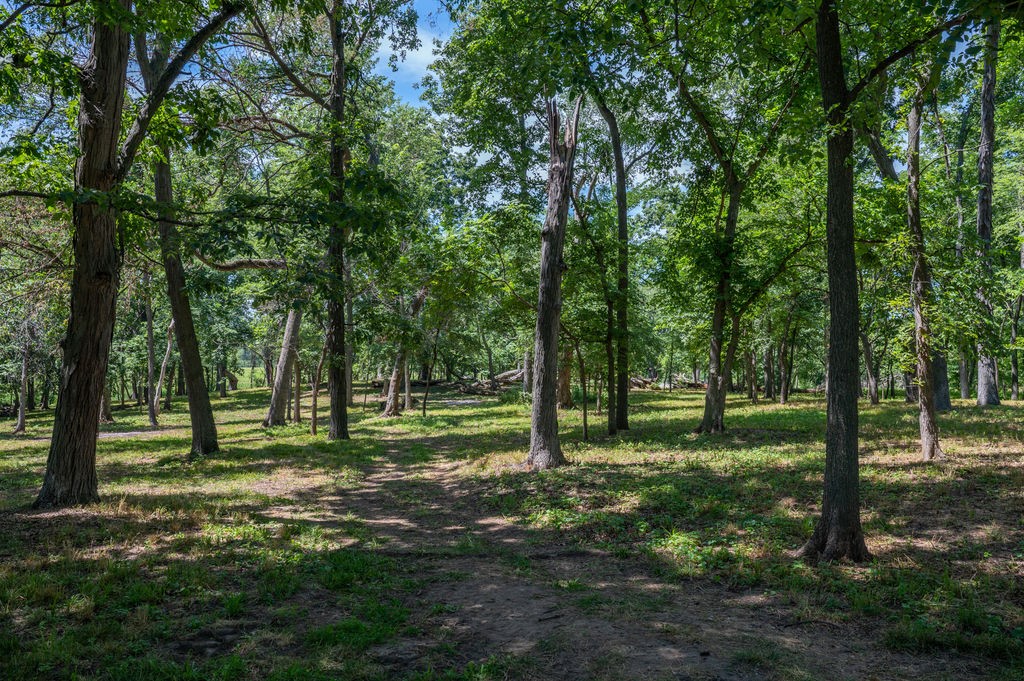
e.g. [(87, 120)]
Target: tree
[(545, 450), (70, 477), (988, 387)]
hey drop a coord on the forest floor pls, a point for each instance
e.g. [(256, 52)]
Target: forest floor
[(418, 550)]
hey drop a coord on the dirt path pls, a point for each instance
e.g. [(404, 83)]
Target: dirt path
[(558, 611)]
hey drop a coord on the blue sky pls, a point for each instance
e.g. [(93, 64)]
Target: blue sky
[(433, 25)]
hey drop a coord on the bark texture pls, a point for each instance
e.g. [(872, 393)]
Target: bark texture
[(70, 477), (282, 376), (337, 238), (545, 449), (622, 284), (988, 385), (921, 283), (838, 533)]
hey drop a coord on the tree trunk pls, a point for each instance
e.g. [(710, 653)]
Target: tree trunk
[(545, 449), (337, 238), (786, 383), (282, 375), (751, 370), (170, 389), (350, 349), (565, 379), (609, 351), (152, 393), (769, 372), (408, 383), (155, 397), (45, 402), (315, 387), (70, 477), (921, 282), (297, 414), (988, 384), (909, 388), (869, 367), (622, 292), (941, 371), (222, 378), (190, 367), (714, 396), (838, 533), (19, 427), (527, 372), (106, 415), (965, 376), (583, 391), (392, 403), (430, 371)]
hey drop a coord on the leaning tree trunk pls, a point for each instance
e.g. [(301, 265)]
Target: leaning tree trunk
[(545, 449), (838, 533), (714, 396), (869, 367), (155, 397), (19, 427), (988, 384), (282, 376), (190, 366), (921, 284), (70, 477), (392, 403), (622, 291)]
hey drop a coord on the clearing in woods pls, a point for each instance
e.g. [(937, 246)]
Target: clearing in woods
[(409, 554)]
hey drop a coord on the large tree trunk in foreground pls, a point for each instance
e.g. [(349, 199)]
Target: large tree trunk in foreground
[(920, 285), (838, 533), (545, 449), (988, 384), (70, 477), (283, 374)]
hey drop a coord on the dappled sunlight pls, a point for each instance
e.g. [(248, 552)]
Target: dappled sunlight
[(674, 543)]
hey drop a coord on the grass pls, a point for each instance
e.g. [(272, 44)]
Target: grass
[(252, 563)]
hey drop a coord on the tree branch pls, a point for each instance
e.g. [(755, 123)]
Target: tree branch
[(163, 86)]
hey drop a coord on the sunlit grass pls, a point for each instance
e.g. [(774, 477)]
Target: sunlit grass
[(232, 567)]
